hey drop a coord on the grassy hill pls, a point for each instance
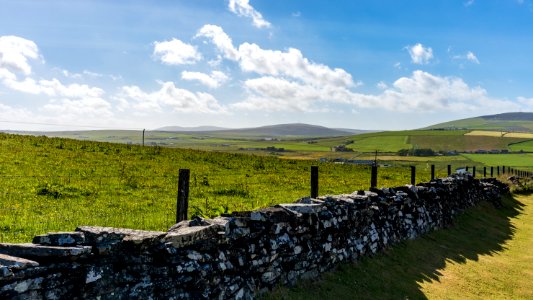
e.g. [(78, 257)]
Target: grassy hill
[(280, 130), (518, 121)]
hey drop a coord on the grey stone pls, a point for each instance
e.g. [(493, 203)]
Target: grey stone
[(60, 239)]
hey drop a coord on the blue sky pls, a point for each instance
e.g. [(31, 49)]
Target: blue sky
[(244, 63)]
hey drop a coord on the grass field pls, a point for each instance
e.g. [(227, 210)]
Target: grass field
[(484, 255), (522, 146), (519, 161), (53, 184)]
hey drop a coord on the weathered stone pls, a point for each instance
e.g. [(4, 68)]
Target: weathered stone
[(33, 251), (16, 263), (60, 239)]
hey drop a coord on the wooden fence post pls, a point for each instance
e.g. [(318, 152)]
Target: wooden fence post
[(484, 172), (183, 195), (503, 170), (449, 170), (314, 181), (413, 175), (497, 170), (466, 168), (474, 171), (432, 172), (491, 171), (374, 176)]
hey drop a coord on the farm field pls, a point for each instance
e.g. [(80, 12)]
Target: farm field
[(485, 255), (519, 161), (297, 147)]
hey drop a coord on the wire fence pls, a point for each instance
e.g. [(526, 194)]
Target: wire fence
[(36, 204)]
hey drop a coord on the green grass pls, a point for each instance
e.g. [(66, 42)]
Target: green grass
[(519, 161), (53, 184), (488, 124), (484, 255), (522, 146), (381, 143)]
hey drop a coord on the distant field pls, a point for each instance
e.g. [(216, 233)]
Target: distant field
[(524, 161), (488, 124), (380, 143), (519, 135), (522, 146)]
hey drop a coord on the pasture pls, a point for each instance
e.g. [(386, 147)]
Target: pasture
[(54, 184)]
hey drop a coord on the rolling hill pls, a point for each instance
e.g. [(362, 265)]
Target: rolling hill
[(513, 121), (280, 130)]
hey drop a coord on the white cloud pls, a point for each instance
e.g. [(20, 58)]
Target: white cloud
[(213, 80), (291, 63), (221, 40), (469, 2), (84, 107), (180, 100), (176, 52), (382, 85), (472, 57), (469, 56), (15, 53), (242, 8), (421, 92), (420, 55)]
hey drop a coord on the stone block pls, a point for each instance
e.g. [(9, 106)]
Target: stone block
[(40, 252), (16, 263), (60, 239)]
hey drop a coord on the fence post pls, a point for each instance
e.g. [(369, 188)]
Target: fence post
[(413, 175), (484, 172), (466, 168), (432, 172), (449, 170), (474, 171), (374, 176), (503, 170), (183, 195), (497, 170), (491, 172), (314, 181)]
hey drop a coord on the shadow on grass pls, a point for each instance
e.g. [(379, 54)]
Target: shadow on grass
[(396, 273)]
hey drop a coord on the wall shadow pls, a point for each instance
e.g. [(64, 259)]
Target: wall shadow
[(397, 272)]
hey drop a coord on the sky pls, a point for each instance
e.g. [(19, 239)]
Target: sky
[(379, 64)]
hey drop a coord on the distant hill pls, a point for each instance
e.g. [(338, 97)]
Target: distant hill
[(280, 130), (190, 129), (513, 121)]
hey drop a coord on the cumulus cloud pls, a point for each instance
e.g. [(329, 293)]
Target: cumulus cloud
[(290, 63), (242, 8), (420, 92), (176, 52), (420, 55), (220, 39), (180, 100), (15, 53), (213, 80)]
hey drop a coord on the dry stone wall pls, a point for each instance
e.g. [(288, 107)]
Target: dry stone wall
[(235, 256)]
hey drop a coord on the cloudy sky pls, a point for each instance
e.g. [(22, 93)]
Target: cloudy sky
[(373, 64)]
